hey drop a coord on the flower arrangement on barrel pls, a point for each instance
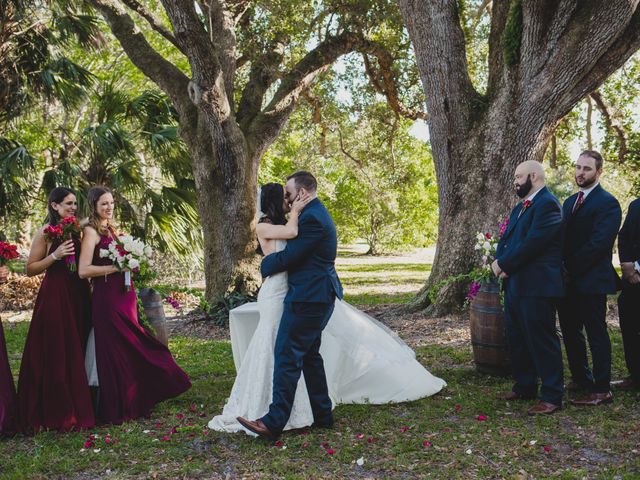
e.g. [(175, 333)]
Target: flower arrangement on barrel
[(481, 273)]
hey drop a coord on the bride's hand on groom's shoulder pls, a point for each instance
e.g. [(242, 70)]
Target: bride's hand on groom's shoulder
[(300, 202)]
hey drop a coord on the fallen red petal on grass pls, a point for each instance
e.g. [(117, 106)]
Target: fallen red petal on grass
[(305, 433), (279, 443), (547, 448), (426, 443), (166, 438), (88, 444), (324, 445), (481, 418), (304, 445), (180, 416), (360, 436), (371, 440), (193, 408), (404, 429), (330, 451)]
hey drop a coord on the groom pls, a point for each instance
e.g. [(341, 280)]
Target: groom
[(309, 260)]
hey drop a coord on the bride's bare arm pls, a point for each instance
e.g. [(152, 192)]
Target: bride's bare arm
[(268, 231)]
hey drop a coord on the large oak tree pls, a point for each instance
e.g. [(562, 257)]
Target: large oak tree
[(544, 57), (248, 62)]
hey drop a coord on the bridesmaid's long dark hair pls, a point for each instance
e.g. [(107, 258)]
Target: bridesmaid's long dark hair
[(271, 201), (57, 195)]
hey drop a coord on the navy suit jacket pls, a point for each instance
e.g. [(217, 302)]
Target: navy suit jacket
[(629, 237), (530, 250), (589, 235), (309, 258)]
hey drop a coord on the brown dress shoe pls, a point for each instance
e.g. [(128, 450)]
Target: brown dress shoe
[(512, 396), (543, 408), (626, 384), (594, 399), (256, 426)]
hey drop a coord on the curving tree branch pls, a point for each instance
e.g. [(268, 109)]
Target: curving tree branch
[(613, 122), (153, 21)]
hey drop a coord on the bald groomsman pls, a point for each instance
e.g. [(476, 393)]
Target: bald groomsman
[(529, 259)]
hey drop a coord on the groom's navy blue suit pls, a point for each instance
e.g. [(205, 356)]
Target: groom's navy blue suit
[(530, 253), (309, 260)]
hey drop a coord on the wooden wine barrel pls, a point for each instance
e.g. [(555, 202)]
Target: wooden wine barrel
[(4, 274), (488, 337), (154, 310)]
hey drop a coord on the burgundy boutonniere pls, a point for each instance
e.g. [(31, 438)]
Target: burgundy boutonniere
[(525, 205)]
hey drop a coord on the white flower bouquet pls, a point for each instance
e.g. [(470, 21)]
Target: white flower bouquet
[(128, 254)]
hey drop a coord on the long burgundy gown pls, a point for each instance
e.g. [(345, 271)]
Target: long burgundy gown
[(53, 393), (135, 371), (8, 405)]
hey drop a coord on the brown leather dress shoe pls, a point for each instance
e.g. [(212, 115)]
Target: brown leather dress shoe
[(594, 399), (543, 408), (256, 426), (625, 384), (512, 396)]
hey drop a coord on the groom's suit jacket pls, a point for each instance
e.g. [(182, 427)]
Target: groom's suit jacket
[(309, 258), (530, 250), (589, 235)]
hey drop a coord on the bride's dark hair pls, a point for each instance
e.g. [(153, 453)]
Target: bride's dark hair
[(271, 201)]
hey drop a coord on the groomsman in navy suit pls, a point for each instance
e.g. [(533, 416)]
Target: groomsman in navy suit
[(592, 218), (529, 260), (629, 299)]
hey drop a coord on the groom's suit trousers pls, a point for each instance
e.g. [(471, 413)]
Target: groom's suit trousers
[(297, 350)]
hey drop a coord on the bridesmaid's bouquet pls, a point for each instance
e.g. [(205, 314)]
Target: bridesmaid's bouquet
[(8, 252), (129, 254), (67, 229)]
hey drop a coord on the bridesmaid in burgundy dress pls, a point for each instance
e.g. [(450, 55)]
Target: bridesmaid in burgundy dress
[(53, 393), (7, 392), (135, 371)]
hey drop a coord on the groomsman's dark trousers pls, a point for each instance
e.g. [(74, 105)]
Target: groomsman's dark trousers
[(587, 312), (297, 350), (534, 345), (629, 311)]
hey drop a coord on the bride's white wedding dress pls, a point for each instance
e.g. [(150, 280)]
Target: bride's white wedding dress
[(364, 362)]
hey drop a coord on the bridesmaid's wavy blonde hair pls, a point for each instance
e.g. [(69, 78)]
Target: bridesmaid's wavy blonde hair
[(94, 219)]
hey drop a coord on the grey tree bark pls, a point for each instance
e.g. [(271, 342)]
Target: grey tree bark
[(544, 57)]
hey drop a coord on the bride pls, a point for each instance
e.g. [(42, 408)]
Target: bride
[(364, 361)]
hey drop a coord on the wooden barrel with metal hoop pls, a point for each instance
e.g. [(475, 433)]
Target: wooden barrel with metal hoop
[(488, 337), (154, 310)]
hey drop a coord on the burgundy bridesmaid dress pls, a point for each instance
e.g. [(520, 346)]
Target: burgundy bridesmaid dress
[(53, 393), (135, 371), (8, 409)]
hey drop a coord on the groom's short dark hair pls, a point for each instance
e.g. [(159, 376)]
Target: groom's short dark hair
[(304, 180)]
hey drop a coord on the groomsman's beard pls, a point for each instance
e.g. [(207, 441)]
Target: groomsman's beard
[(586, 185), (523, 190)]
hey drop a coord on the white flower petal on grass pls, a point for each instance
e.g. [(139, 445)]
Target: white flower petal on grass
[(360, 461), (468, 451)]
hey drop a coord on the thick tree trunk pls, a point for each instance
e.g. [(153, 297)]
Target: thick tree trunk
[(226, 176), (544, 57)]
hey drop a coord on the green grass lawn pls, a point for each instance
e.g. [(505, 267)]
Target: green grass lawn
[(463, 432)]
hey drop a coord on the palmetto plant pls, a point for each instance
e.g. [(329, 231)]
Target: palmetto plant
[(96, 132)]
